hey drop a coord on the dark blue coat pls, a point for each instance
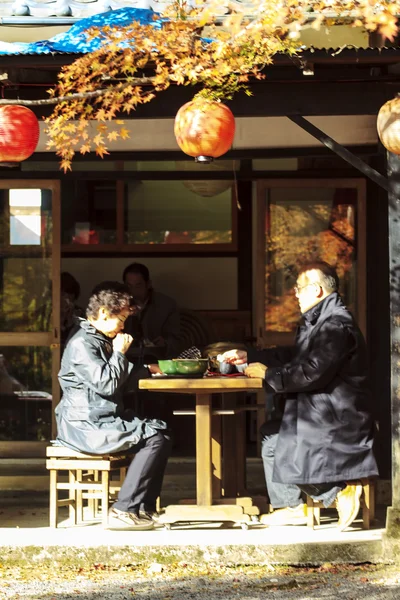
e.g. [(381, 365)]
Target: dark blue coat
[(93, 378), (326, 433)]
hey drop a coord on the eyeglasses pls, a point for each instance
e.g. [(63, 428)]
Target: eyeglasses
[(297, 288)]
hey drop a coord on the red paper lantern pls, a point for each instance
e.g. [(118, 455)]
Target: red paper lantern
[(204, 129), (19, 133)]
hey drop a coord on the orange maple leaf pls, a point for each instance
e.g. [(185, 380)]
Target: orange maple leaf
[(124, 133)]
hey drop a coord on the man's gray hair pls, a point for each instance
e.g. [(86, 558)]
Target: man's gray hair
[(327, 275)]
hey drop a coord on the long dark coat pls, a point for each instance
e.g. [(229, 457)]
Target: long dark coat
[(326, 433), (93, 378)]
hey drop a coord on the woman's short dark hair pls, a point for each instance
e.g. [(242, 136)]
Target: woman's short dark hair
[(111, 295)]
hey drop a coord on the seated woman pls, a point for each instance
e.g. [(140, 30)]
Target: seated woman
[(94, 375)]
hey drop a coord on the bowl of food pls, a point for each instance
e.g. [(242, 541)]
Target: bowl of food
[(190, 366), (168, 367)]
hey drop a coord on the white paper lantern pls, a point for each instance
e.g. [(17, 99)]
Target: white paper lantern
[(208, 187)]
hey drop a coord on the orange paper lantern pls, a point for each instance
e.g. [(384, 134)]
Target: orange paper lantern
[(19, 133), (204, 129)]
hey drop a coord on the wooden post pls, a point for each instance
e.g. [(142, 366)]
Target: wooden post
[(203, 450), (393, 514)]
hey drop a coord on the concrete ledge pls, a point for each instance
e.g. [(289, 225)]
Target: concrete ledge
[(298, 554), (194, 543)]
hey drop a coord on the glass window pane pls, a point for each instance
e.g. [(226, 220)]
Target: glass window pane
[(25, 260), (304, 225), (175, 212), (25, 393), (88, 212), (25, 216), (275, 164)]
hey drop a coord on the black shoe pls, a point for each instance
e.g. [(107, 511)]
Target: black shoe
[(119, 519), (149, 515)]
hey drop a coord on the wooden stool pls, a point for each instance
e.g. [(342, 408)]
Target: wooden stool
[(367, 503), (88, 478)]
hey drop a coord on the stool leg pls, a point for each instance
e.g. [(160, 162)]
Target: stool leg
[(79, 503), (72, 497), (368, 509), (105, 490), (90, 478), (96, 500), (313, 513), (53, 498), (317, 515), (310, 512), (122, 474)]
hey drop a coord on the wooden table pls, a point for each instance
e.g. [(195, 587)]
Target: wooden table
[(209, 506)]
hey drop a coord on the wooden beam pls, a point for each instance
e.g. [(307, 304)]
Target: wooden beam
[(271, 98), (341, 151), (154, 155)]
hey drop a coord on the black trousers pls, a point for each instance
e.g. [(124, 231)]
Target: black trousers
[(144, 478)]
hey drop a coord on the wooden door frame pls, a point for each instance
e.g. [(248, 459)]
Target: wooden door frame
[(287, 338), (51, 339)]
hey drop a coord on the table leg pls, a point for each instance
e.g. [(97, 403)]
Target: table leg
[(234, 453), (203, 450), (216, 456), (240, 431), (208, 474)]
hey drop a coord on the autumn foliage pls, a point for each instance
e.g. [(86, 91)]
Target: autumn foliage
[(217, 46)]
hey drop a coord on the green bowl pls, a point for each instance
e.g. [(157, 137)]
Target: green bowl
[(168, 367), (188, 366)]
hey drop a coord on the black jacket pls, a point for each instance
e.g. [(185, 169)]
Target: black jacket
[(158, 318), (326, 433), (93, 378)]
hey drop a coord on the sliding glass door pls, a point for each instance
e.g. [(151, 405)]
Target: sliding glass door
[(29, 315)]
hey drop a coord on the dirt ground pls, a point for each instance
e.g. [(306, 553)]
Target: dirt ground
[(183, 581)]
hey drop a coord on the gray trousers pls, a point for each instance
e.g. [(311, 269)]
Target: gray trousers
[(282, 495), (144, 478)]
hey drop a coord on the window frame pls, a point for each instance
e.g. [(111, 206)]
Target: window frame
[(266, 338), (121, 247)]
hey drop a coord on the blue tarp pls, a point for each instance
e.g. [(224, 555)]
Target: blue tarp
[(75, 41)]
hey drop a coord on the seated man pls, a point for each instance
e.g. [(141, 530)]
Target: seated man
[(325, 440), (91, 418), (155, 323)]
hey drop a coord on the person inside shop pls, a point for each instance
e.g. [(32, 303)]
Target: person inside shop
[(155, 322), (94, 375), (70, 310), (324, 443)]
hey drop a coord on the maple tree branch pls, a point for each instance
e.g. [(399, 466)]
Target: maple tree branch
[(76, 96)]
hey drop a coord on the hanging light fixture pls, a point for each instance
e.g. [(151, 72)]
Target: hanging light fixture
[(19, 133), (388, 125), (204, 129)]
